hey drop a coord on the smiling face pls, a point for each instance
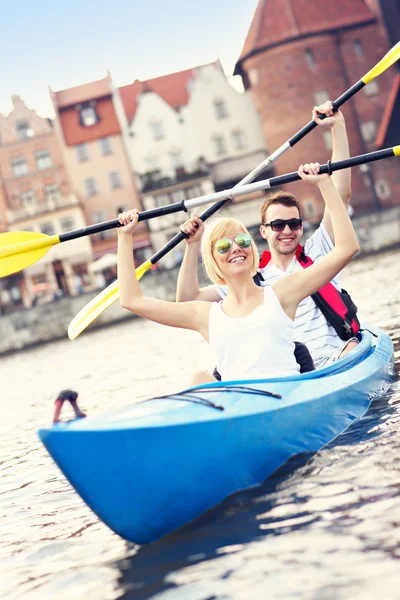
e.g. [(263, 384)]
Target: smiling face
[(286, 241), (236, 261)]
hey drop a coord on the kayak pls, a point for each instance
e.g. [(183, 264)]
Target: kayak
[(151, 467)]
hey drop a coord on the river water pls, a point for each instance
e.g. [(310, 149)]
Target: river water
[(324, 528)]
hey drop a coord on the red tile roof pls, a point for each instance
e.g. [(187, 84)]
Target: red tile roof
[(65, 103), (276, 21), (75, 133), (172, 88), (82, 93), (388, 112)]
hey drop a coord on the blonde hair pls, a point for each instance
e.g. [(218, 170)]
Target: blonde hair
[(215, 230)]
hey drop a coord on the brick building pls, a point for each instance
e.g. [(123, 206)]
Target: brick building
[(298, 54), (90, 122), (36, 195)]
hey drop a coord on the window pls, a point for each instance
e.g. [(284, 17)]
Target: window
[(358, 49), (382, 189), (98, 216), (239, 140), (177, 196), (89, 116), (157, 130), (193, 192), (105, 146), (115, 180), (368, 130), (253, 77), (28, 198), (81, 152), (47, 228), (19, 166), (152, 162), (90, 186), (327, 140), (371, 89), (321, 97), (162, 199), (310, 208), (220, 109), (309, 56), (176, 159), (52, 192), (67, 223), (23, 130), (219, 144), (43, 160)]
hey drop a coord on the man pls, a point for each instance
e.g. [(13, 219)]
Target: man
[(282, 228)]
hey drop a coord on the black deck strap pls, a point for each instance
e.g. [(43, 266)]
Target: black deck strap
[(365, 329), (185, 397), (234, 388), (189, 395)]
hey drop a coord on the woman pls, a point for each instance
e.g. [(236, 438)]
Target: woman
[(250, 331)]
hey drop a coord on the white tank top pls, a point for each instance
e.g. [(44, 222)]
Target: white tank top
[(257, 346)]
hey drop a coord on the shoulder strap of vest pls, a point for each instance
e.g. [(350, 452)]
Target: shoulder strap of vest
[(300, 255)]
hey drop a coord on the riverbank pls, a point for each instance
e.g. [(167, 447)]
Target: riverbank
[(22, 329)]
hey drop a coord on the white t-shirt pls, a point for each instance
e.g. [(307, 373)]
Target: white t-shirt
[(310, 327), (257, 346)]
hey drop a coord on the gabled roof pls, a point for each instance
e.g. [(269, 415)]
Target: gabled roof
[(278, 21), (172, 88), (66, 101), (82, 93), (390, 116)]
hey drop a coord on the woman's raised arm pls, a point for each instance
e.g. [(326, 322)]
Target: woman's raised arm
[(187, 315)]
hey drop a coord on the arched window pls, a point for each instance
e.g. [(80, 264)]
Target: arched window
[(157, 130), (220, 108), (310, 58), (219, 144), (238, 139)]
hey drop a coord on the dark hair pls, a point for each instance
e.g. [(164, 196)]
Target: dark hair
[(67, 395), (283, 198)]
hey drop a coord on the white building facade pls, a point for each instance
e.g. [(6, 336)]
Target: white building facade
[(191, 133)]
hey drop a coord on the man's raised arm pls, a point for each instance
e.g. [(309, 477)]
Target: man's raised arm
[(340, 150)]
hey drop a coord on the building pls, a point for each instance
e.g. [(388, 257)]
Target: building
[(190, 133), (90, 123), (296, 56), (37, 196)]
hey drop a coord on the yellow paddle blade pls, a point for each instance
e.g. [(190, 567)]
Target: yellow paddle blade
[(20, 249), (387, 61), (396, 150), (100, 303)]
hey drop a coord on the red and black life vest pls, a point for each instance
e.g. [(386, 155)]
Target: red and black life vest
[(337, 307)]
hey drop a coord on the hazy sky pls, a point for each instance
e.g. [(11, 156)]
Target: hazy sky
[(66, 43)]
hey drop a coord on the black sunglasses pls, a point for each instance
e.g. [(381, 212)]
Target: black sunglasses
[(280, 224)]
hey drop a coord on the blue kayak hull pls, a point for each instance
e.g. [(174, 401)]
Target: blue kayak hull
[(152, 467)]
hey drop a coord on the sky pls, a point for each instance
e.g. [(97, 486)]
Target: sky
[(64, 43)]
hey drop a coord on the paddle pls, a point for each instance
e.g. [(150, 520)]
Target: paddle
[(111, 294), (19, 250)]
